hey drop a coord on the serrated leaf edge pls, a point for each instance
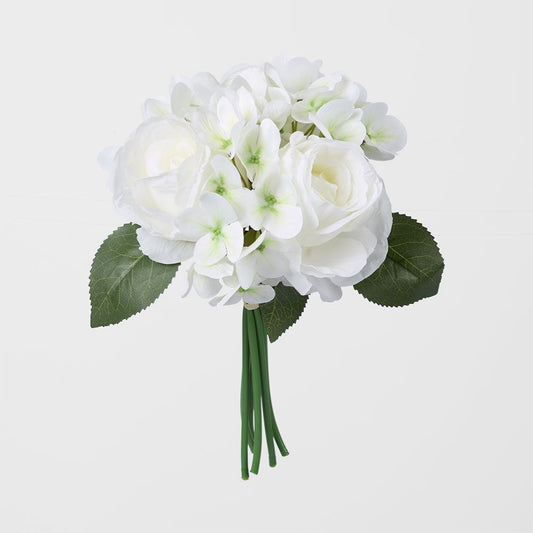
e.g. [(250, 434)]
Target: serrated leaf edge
[(136, 226), (420, 299)]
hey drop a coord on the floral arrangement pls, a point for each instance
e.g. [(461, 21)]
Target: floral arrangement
[(260, 185)]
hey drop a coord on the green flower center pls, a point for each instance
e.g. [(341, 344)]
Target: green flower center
[(225, 143), (254, 159), (216, 231), (270, 200)]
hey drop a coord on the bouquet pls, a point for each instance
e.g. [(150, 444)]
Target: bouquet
[(261, 186)]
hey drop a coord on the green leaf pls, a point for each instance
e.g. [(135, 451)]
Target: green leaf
[(412, 269), (124, 281), (283, 311)]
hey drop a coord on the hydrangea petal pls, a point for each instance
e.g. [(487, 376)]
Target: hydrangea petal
[(233, 237), (246, 269), (218, 210), (209, 249), (284, 221)]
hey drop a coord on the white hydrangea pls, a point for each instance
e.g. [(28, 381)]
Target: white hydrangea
[(261, 178)]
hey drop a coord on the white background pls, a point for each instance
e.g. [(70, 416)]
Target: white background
[(415, 420)]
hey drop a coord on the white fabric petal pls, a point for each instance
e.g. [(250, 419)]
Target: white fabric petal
[(284, 190), (254, 211), (283, 221), (374, 111), (226, 114), (375, 239), (300, 282), (158, 193), (206, 287), (217, 210), (298, 73), (223, 167), (188, 282), (243, 201), (270, 263), (192, 223), (219, 270), (154, 107), (259, 295), (163, 250), (352, 130), (181, 98), (209, 249), (233, 236), (232, 298), (247, 106), (387, 134), (269, 137), (332, 114), (340, 256), (328, 291), (246, 269), (376, 154)]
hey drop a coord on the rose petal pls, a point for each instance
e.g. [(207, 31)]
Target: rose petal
[(163, 250)]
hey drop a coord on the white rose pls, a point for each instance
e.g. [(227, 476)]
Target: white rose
[(347, 214), (155, 176)]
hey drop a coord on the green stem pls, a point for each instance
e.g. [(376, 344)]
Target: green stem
[(310, 130), (267, 402), (244, 397), (244, 180), (256, 383), (250, 409), (277, 437), (264, 340)]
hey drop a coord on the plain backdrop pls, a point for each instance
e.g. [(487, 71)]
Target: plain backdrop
[(415, 420)]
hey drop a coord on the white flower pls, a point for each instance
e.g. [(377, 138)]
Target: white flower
[(272, 102), (258, 147), (154, 177), (268, 258), (320, 92), (255, 294), (225, 180), (188, 95), (206, 278), (277, 106), (347, 216), (220, 122), (294, 75), (339, 120), (275, 206), (155, 107), (250, 76), (215, 229), (385, 134)]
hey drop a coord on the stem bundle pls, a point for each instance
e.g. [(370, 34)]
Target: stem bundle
[(256, 401)]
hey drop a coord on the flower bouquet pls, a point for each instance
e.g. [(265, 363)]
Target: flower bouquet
[(260, 185)]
